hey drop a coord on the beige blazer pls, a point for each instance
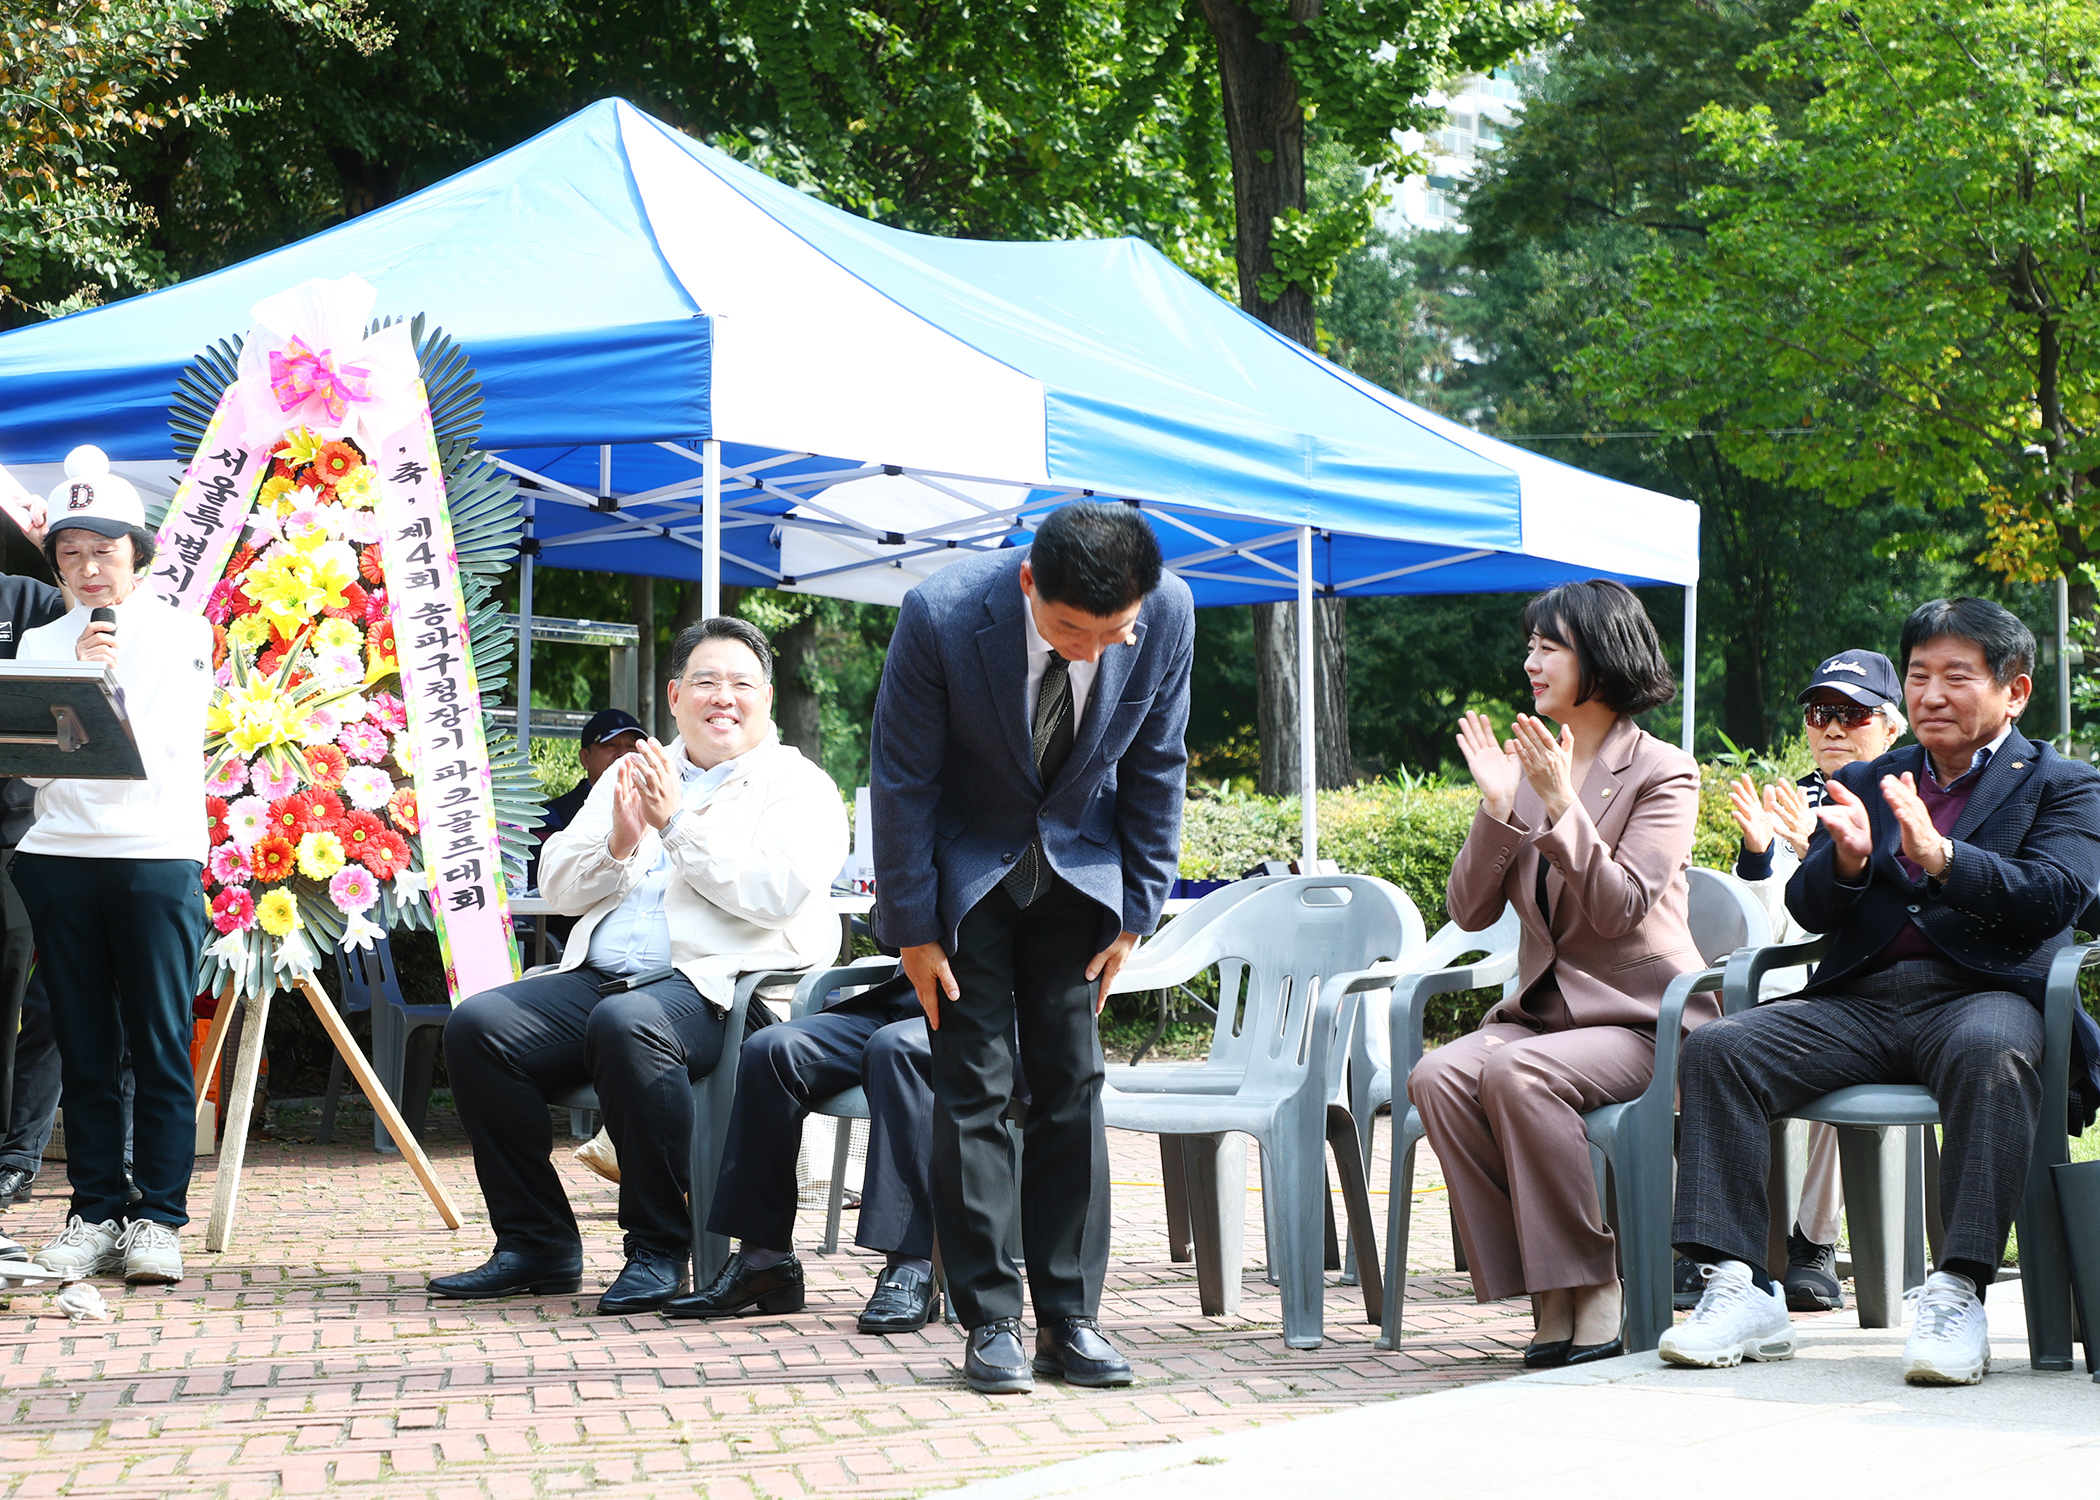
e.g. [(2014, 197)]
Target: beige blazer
[(751, 872), (1614, 881)]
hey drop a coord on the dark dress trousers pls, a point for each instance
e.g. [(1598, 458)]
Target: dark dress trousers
[(1964, 1019), (876, 1039), (958, 800)]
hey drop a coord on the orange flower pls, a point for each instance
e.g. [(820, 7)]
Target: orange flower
[(274, 858), (379, 643), (335, 460), (401, 807), (325, 766), (370, 564)]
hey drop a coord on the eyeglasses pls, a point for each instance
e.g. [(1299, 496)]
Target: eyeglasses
[(743, 687), (1851, 715)]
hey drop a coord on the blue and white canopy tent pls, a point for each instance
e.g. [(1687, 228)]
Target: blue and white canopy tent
[(699, 373)]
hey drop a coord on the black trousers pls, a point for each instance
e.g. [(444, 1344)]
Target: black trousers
[(119, 942), (877, 1040), (1026, 971), (509, 1049), (1919, 1021), (36, 1097)]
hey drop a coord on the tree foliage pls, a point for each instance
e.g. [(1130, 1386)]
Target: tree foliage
[(1894, 292)]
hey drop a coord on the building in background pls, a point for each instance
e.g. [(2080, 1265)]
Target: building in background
[(1478, 111)]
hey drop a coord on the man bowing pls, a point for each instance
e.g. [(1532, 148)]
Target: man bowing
[(1027, 774)]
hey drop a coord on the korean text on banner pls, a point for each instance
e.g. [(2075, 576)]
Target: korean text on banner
[(454, 790), (210, 508)]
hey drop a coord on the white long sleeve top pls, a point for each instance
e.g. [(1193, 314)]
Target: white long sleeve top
[(164, 666)]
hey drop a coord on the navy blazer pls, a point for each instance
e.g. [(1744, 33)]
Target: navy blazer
[(955, 793), (2026, 868)]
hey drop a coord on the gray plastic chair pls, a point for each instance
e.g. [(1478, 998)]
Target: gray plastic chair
[(1879, 1129), (713, 1098), (1285, 1040), (404, 1040), (1632, 1145), (811, 995)]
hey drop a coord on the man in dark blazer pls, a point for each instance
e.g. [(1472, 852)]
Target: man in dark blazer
[(1027, 777), (1948, 874)]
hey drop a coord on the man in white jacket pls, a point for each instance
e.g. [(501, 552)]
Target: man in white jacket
[(689, 864)]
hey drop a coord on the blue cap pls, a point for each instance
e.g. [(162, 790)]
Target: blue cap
[(1866, 677), (610, 724)]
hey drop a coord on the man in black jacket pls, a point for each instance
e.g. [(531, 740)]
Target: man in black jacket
[(1948, 874)]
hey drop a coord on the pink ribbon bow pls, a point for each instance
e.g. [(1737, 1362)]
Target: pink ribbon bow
[(298, 374)]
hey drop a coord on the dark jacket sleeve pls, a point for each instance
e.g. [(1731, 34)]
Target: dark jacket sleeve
[(2029, 897), (906, 748), (1152, 787)]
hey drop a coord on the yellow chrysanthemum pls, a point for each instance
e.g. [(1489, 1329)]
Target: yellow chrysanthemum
[(274, 489), (320, 855), (338, 635), (278, 913), (359, 488), (249, 631)]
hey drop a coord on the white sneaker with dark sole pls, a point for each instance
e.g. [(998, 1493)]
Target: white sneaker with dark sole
[(84, 1249), (152, 1253), (1734, 1321), (1950, 1339)]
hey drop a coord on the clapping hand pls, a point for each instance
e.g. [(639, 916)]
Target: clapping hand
[(629, 823), (1549, 762), (1925, 844), (1844, 818), (1752, 813), (1495, 767), (1791, 814), (656, 780)]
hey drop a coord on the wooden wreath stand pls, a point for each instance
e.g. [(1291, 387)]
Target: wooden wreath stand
[(247, 1064)]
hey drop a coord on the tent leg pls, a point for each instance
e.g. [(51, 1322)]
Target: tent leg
[(525, 559), (1690, 685), (2063, 655), (711, 528), (1308, 747)]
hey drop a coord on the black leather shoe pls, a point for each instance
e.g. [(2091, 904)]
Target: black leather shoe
[(506, 1274), (993, 1364), (14, 1185), (652, 1278), (1589, 1354), (906, 1300), (1075, 1349), (1550, 1355), (776, 1289)]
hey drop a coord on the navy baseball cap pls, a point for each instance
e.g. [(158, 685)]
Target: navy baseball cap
[(1866, 677), (610, 724)]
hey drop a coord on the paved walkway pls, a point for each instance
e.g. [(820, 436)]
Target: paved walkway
[(309, 1357), (1835, 1420)]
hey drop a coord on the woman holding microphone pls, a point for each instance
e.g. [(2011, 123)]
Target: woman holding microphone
[(1587, 831), (110, 876)]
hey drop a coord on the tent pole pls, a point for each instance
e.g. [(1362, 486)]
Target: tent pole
[(711, 528), (1690, 685), (2063, 655), (1308, 750), (525, 558)]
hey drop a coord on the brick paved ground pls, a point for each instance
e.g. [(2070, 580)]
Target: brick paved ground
[(309, 1357)]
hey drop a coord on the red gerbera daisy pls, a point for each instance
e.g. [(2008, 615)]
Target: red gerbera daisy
[(334, 461), (269, 662), (243, 560), (215, 820), (401, 807), (370, 564), (304, 812), (379, 641), (355, 598), (325, 766), (387, 855), (359, 832), (274, 858)]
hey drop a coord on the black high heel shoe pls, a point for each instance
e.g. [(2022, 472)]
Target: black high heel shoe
[(1547, 1356), (1589, 1354)]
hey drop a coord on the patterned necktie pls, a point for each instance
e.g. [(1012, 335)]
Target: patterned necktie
[(1052, 743)]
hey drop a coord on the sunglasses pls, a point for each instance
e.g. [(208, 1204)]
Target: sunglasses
[(1851, 715)]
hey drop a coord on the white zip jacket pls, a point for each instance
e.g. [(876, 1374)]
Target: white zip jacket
[(751, 871), (164, 667)]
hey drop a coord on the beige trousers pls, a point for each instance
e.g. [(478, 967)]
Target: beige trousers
[(1503, 1110)]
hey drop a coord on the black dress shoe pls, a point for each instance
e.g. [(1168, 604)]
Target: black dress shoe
[(1550, 1355), (652, 1278), (776, 1289), (1075, 1349), (1589, 1354), (993, 1364), (506, 1274), (14, 1185), (906, 1300)]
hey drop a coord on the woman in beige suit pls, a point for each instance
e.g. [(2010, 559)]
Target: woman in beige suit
[(1587, 832)]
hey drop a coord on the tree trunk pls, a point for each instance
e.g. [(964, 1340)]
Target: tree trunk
[(1265, 128), (1743, 698), (1276, 669), (641, 600), (796, 706)]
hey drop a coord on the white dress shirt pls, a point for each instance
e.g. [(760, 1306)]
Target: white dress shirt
[(635, 936), (1082, 672)]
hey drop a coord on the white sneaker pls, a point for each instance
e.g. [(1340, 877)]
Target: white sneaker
[(1950, 1339), (84, 1249), (1734, 1321), (152, 1253), (9, 1250)]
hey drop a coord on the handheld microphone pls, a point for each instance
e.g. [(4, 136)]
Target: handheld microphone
[(103, 615)]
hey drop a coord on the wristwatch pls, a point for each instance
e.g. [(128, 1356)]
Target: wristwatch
[(1946, 860)]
